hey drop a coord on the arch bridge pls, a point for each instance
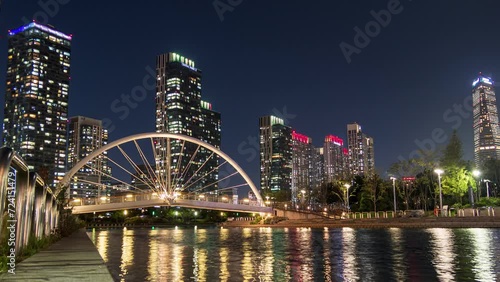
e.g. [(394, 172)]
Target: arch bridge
[(159, 169)]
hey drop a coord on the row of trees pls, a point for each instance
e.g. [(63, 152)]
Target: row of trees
[(372, 193)]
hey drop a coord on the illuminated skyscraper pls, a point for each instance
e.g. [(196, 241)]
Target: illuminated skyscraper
[(36, 98), (179, 109), (303, 165), (335, 162), (275, 157), (361, 151), (486, 128), (85, 135)]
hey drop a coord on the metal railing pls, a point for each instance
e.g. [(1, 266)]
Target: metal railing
[(31, 209), (135, 197)]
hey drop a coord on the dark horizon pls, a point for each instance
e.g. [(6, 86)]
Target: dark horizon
[(401, 85)]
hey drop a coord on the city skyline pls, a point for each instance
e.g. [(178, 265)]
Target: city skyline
[(397, 112)]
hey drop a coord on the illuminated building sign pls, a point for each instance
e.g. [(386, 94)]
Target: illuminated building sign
[(336, 140), (276, 120), (346, 152), (174, 57), (206, 105), (485, 80), (41, 27), (408, 178), (300, 137)]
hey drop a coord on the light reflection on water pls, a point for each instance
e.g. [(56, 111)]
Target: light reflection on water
[(443, 255), (300, 254)]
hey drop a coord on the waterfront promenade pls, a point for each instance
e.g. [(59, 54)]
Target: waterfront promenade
[(74, 258), (425, 222)]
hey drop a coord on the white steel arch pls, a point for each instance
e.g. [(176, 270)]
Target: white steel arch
[(69, 175)]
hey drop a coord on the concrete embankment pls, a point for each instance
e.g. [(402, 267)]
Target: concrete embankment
[(74, 258), (427, 222)]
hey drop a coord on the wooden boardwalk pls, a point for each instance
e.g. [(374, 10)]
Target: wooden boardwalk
[(73, 258)]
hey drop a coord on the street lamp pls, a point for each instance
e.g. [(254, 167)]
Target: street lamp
[(476, 173), (394, 192), (347, 186), (487, 188), (439, 172), (303, 197)]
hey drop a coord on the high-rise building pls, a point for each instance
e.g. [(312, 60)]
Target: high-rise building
[(275, 157), (361, 151), (486, 128), (303, 165), (85, 135), (179, 109), (335, 164), (370, 154), (36, 98), (318, 174)]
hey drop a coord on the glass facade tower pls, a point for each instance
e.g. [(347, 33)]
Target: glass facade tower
[(486, 128), (180, 110), (36, 98)]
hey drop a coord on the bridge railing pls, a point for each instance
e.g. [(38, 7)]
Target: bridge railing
[(27, 204), (135, 197)]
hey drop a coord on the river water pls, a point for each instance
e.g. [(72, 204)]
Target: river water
[(300, 254)]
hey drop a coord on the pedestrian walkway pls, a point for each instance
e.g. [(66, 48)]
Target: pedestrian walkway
[(73, 258)]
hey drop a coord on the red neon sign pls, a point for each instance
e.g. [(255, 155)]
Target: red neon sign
[(300, 137), (409, 178), (335, 139)]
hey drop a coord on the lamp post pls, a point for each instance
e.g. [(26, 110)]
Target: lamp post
[(394, 192), (347, 186), (303, 197), (439, 172), (476, 173), (487, 188)]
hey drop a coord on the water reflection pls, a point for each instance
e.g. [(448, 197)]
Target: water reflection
[(127, 252), (300, 254), (397, 253), (153, 254), (443, 254), (102, 244), (484, 260), (265, 260), (200, 256), (350, 271)]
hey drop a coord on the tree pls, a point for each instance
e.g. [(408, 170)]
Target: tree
[(453, 153), (457, 178), (491, 171), (457, 181), (373, 190)]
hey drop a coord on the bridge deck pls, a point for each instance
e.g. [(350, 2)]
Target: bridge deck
[(178, 203), (74, 258)]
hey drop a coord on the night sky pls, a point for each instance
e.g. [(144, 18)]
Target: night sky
[(284, 58)]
